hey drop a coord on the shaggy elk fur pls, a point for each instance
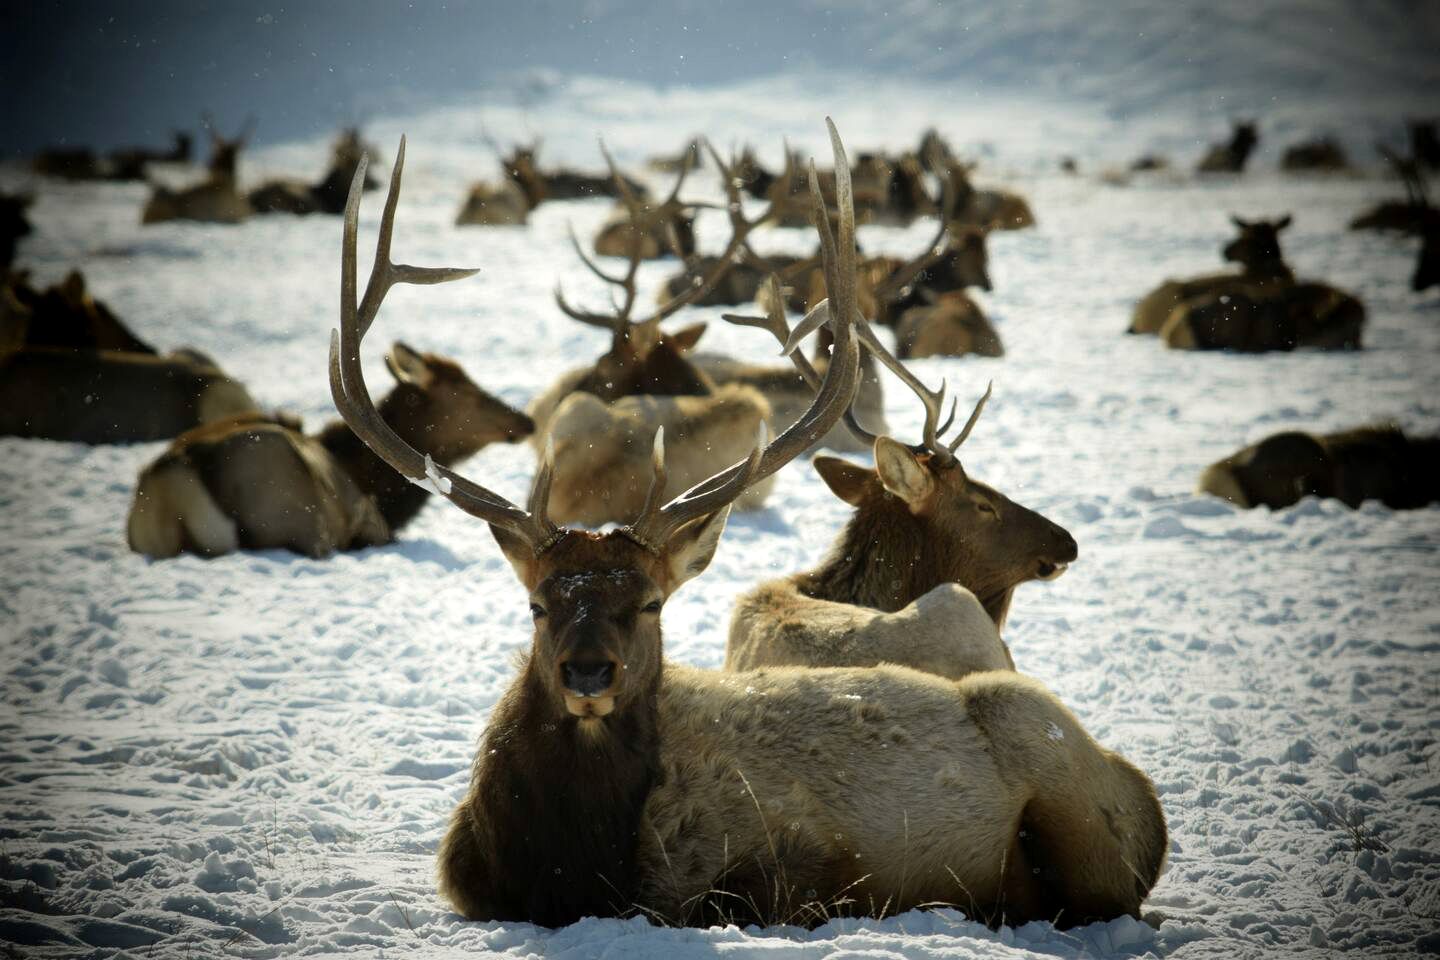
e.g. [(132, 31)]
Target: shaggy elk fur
[(502, 204), (1367, 463), (609, 783), (1262, 265), (106, 396), (216, 199), (924, 571), (254, 483)]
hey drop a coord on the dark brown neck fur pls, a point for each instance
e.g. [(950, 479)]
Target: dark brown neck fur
[(886, 558), (407, 409), (555, 810)]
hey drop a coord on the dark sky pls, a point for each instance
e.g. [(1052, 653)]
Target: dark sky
[(103, 73)]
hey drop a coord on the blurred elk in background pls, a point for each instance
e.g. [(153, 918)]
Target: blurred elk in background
[(647, 229), (257, 483), (288, 195), (13, 225), (1230, 157), (1367, 463), (130, 163), (63, 315), (522, 167), (1324, 155), (217, 199)]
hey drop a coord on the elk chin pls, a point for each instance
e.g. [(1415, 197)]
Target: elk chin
[(1051, 571), (591, 708)]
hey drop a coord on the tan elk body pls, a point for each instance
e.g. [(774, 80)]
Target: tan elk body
[(216, 199), (782, 796), (258, 484)]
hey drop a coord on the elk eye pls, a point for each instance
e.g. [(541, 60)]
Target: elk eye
[(652, 607), (984, 507), (537, 611)]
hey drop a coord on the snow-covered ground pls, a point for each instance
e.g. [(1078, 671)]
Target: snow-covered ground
[(254, 756)]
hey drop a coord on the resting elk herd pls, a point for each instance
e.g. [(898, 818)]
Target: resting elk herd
[(713, 796)]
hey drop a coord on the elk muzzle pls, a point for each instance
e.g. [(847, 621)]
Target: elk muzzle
[(1061, 554), (588, 682)]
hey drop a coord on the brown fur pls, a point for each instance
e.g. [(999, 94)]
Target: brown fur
[(917, 529), (1230, 157), (494, 205), (786, 795), (523, 168), (101, 396), (1322, 155), (602, 451), (740, 284), (618, 234), (64, 315), (1262, 263), (1259, 319), (952, 327), (13, 225), (1368, 463), (273, 487), (288, 195), (216, 199)]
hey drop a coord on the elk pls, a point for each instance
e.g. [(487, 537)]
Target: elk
[(925, 570), (129, 163), (255, 483), (1262, 265), (1424, 144), (487, 204), (67, 163), (950, 325), (689, 157), (1323, 155), (63, 315), (13, 225), (107, 396), (1250, 320), (1367, 463), (1230, 157), (289, 195), (685, 771), (988, 208), (651, 230), (522, 167), (216, 199)]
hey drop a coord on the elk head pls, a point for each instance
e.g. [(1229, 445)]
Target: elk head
[(1244, 136), (1258, 244), (225, 153), (595, 597), (457, 414)]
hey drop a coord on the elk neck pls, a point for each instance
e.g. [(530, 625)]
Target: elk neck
[(564, 803), (410, 412), (887, 557)]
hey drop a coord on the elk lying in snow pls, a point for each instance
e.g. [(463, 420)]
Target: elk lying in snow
[(497, 205), (923, 574), (289, 195), (1023, 816), (129, 163), (1410, 215), (952, 325), (644, 229), (13, 225), (689, 157), (1230, 157), (1368, 463), (103, 396), (538, 186), (1324, 154), (254, 483), (63, 315), (1262, 265), (216, 199)]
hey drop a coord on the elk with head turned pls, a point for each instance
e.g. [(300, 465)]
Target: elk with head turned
[(1262, 266), (647, 229), (924, 572), (1230, 157), (1368, 463), (216, 199), (688, 775), (257, 483), (289, 195)]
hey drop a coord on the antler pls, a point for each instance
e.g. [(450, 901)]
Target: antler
[(833, 396), (906, 273), (352, 397)]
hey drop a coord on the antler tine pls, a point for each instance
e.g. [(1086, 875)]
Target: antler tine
[(907, 272), (627, 196), (779, 328), (835, 395), (347, 379), (974, 415), (614, 322)]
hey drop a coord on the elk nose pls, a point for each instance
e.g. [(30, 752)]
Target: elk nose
[(587, 678), (1066, 549), (520, 429)]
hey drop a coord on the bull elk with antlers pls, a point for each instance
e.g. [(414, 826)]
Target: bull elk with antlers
[(685, 772), (216, 199), (648, 229), (523, 168), (258, 483), (923, 574)]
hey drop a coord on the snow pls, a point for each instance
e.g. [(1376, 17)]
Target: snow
[(255, 756)]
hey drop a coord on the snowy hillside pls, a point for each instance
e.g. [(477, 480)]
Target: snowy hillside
[(254, 756)]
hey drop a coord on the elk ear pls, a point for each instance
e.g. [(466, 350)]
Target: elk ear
[(407, 366), (685, 338), (1283, 222), (846, 480), (518, 552), (1239, 223), (72, 288), (901, 471), (690, 549)]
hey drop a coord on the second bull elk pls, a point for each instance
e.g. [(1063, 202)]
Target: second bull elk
[(258, 483), (1368, 463), (216, 199), (649, 230), (686, 773), (925, 570)]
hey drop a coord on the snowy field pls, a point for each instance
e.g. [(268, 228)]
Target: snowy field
[(254, 756)]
